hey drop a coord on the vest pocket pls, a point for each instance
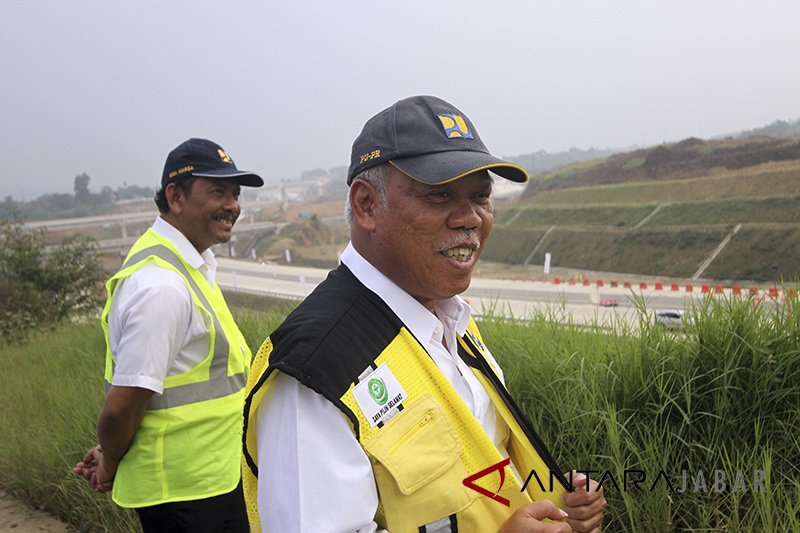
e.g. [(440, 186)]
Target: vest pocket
[(417, 464)]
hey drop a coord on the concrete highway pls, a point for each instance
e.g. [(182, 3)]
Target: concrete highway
[(519, 299), (96, 220)]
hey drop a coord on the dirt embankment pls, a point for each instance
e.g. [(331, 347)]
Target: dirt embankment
[(17, 517)]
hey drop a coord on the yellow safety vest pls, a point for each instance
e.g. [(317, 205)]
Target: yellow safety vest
[(188, 446), (423, 454)]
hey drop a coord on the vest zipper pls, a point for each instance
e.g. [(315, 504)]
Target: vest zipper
[(411, 432)]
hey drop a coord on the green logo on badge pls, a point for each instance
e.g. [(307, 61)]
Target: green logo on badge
[(377, 389)]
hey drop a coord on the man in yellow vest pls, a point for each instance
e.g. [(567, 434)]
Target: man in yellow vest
[(176, 363), (376, 405)]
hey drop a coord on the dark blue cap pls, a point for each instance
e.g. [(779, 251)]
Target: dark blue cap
[(429, 140), (204, 159)]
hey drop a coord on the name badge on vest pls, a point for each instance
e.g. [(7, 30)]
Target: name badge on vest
[(379, 395)]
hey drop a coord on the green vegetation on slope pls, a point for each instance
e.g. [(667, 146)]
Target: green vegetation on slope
[(606, 215), (699, 193), (668, 253), (754, 253), (511, 245), (766, 210), (760, 253), (761, 181)]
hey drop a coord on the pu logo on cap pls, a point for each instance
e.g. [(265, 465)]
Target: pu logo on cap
[(224, 155), (455, 127)]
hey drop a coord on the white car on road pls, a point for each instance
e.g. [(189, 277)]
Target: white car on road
[(671, 319)]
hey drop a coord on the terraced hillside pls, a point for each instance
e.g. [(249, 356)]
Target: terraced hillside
[(725, 210)]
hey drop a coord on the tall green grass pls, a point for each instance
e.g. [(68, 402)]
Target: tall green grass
[(724, 395), (52, 391)]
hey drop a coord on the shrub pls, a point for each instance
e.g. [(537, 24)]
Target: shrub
[(41, 285)]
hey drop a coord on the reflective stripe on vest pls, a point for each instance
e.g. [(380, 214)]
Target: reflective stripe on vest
[(219, 383)]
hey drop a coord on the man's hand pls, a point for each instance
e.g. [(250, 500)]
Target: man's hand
[(103, 476), (528, 519), (86, 466), (119, 420), (584, 505), (92, 469)]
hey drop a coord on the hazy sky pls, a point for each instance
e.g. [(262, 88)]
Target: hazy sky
[(108, 88)]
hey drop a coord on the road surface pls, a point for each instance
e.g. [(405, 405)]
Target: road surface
[(584, 304)]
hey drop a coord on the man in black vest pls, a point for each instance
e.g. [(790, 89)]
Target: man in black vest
[(375, 405)]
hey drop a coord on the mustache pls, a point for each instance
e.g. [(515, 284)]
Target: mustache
[(469, 239), (225, 215)]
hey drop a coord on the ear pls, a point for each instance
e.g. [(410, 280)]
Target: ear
[(365, 205), (174, 196)]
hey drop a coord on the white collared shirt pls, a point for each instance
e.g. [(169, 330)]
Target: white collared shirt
[(154, 329), (305, 485)]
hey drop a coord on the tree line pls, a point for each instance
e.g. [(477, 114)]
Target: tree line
[(83, 202)]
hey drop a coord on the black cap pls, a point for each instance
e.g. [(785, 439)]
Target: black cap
[(428, 139), (204, 159)]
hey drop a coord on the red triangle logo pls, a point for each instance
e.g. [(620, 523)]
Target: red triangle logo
[(469, 482)]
